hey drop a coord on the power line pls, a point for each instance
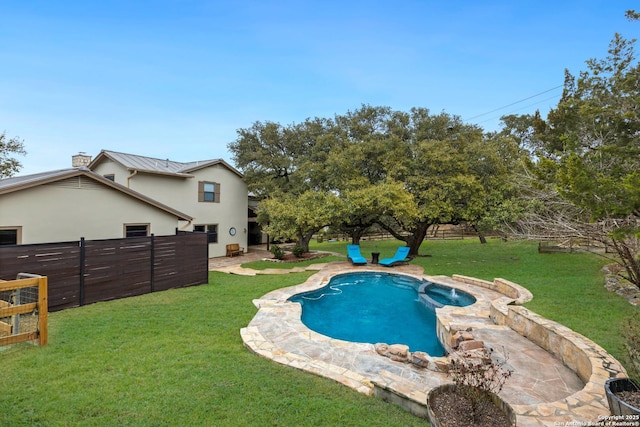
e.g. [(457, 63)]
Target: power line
[(514, 103), (520, 109)]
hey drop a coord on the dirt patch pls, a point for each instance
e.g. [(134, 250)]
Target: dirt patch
[(454, 410), (630, 397), (291, 258), (615, 283)]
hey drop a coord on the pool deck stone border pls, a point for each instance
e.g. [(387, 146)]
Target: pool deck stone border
[(544, 354)]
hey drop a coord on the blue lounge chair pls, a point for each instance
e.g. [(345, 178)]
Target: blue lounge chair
[(353, 253), (401, 257)]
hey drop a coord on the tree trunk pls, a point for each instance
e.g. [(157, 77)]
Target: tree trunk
[(304, 239), (415, 240), (481, 236), (356, 235)]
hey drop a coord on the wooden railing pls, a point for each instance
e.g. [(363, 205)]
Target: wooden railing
[(18, 298)]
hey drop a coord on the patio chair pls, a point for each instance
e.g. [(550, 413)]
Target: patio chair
[(353, 254), (401, 257)]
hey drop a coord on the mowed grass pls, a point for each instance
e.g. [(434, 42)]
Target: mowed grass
[(173, 358), (176, 357)]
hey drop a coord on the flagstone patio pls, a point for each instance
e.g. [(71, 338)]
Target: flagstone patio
[(551, 386)]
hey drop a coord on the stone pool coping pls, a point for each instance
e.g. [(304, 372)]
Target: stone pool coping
[(277, 333)]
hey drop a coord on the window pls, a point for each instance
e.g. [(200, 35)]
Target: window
[(110, 177), (10, 236), (208, 192), (136, 230), (210, 229)]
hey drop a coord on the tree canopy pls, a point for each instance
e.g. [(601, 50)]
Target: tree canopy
[(404, 171), (298, 215), (9, 147), (586, 154)]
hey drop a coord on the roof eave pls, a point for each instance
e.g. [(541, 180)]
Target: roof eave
[(213, 163), (65, 174), (152, 172), (141, 197)]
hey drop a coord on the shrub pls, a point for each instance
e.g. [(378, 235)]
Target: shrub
[(297, 251), (277, 252), (476, 375), (631, 332)]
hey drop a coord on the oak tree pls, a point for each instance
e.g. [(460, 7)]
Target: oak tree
[(9, 147)]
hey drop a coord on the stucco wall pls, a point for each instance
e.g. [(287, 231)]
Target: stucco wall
[(120, 174), (78, 207), (182, 194)]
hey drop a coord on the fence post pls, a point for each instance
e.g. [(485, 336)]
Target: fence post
[(82, 271), (43, 310), (153, 262), (15, 319)]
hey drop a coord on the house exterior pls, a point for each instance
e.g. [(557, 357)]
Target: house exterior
[(211, 192), (121, 195), (67, 204)]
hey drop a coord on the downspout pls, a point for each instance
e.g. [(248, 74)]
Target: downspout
[(134, 173)]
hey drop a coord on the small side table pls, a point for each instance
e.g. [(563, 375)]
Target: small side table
[(374, 257)]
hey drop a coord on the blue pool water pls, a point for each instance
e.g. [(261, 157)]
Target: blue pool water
[(377, 307), (435, 295)]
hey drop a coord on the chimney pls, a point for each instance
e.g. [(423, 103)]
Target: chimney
[(80, 160)]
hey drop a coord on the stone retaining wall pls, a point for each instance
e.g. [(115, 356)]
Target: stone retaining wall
[(593, 365), (576, 351), (519, 294)]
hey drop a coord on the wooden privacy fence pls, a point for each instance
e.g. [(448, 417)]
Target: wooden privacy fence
[(87, 271), (23, 309)]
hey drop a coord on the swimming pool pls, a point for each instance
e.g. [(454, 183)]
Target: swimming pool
[(378, 307)]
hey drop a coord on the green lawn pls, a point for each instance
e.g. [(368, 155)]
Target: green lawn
[(173, 358), (176, 357)]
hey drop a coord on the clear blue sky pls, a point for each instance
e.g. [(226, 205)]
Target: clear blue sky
[(176, 79)]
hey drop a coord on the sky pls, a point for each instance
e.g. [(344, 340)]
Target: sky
[(177, 79)]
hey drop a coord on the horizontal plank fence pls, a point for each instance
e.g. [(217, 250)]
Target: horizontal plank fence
[(445, 232), (87, 271), (570, 245)]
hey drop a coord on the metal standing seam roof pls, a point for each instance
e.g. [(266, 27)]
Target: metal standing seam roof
[(165, 166), (7, 184)]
